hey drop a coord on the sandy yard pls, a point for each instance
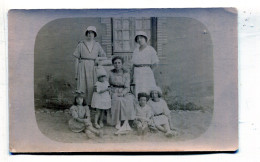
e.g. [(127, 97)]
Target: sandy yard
[(54, 124)]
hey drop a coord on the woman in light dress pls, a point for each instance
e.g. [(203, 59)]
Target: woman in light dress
[(144, 60), (122, 105), (86, 54)]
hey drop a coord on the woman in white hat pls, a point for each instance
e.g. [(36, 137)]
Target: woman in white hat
[(85, 55), (144, 60)]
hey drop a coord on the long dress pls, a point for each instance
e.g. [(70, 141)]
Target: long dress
[(143, 76), (122, 108), (160, 111), (86, 71), (101, 100), (79, 112)]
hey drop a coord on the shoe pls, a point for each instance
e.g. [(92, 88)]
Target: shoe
[(101, 124), (118, 126), (153, 129), (168, 134), (121, 132), (100, 133), (139, 131), (96, 125), (89, 134)]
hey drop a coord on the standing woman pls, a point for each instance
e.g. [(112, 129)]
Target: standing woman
[(144, 60), (85, 55)]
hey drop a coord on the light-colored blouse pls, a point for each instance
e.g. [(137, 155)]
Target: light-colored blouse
[(83, 51)]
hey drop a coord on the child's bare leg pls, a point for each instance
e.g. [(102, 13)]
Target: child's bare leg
[(95, 131), (170, 122), (101, 124), (97, 115), (167, 127), (169, 132), (161, 128), (139, 128), (145, 128)]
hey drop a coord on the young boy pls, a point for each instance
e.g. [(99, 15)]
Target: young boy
[(143, 114)]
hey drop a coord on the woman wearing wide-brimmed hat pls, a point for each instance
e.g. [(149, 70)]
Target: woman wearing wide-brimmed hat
[(144, 60), (85, 55)]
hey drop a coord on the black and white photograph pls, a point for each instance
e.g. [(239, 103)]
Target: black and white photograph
[(123, 80)]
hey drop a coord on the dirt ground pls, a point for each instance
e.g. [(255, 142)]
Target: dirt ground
[(54, 124)]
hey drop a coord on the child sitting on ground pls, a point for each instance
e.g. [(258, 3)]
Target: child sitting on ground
[(161, 113), (80, 121), (143, 114)]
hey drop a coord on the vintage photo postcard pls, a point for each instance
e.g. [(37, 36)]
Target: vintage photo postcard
[(123, 80)]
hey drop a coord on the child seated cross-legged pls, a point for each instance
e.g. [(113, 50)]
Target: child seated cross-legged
[(161, 113), (143, 114), (80, 121)]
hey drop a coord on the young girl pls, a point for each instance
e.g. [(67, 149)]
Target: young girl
[(101, 99), (143, 114), (161, 113), (80, 121)]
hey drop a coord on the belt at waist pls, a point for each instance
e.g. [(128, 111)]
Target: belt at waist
[(158, 114), (87, 59), (142, 65), (117, 86)]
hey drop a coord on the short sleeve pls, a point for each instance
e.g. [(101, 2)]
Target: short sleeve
[(98, 86), (126, 80), (73, 112), (101, 52), (154, 57), (133, 60), (87, 111), (107, 84), (165, 107), (77, 51), (149, 112)]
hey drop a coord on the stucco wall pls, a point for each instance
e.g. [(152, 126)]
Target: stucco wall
[(185, 74)]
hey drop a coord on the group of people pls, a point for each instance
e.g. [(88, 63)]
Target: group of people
[(110, 94)]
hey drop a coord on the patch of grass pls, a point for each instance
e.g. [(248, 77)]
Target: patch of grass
[(54, 93), (178, 103)]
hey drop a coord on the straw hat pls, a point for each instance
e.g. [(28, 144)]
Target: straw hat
[(92, 28), (142, 33)]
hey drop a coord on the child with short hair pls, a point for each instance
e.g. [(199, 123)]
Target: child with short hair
[(81, 121), (143, 114), (101, 99)]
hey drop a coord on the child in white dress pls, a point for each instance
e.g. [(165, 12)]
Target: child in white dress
[(101, 99)]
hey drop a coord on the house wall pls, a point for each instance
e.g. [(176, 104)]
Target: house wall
[(186, 69), (184, 46)]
